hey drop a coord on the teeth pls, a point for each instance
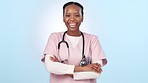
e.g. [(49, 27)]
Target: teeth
[(72, 24)]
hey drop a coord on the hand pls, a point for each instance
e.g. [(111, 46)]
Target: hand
[(54, 58), (95, 67)]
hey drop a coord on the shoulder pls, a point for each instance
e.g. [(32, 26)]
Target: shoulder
[(56, 34), (90, 36)]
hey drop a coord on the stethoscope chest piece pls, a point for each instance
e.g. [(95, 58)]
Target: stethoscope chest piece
[(83, 62)]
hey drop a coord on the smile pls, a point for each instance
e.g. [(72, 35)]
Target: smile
[(72, 24)]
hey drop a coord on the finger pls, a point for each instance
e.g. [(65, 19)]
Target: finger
[(100, 70), (56, 59), (97, 69), (98, 64), (51, 58)]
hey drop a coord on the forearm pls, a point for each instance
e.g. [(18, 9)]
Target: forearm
[(58, 68), (85, 75), (78, 69), (95, 66), (81, 73), (76, 72)]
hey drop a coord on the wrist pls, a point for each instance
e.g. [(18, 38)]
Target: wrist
[(78, 69)]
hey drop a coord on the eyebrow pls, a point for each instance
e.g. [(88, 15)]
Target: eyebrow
[(74, 13)]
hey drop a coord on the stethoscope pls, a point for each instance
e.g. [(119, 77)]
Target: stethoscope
[(83, 61)]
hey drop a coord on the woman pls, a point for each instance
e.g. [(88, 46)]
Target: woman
[(73, 56)]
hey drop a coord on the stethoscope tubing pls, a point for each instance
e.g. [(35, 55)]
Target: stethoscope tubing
[(67, 45)]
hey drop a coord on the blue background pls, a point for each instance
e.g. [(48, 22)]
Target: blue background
[(121, 25)]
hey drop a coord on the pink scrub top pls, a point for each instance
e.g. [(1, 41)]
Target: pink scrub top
[(92, 49)]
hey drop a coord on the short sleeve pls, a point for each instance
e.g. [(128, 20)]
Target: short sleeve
[(50, 48), (96, 50)]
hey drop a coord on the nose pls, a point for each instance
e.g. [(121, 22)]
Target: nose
[(72, 18)]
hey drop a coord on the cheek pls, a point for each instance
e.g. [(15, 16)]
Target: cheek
[(65, 20), (79, 20)]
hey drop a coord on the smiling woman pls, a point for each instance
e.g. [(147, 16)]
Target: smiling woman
[(85, 57), (121, 25), (73, 17)]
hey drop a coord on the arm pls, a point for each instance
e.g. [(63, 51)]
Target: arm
[(91, 71), (53, 66), (56, 67), (98, 56), (89, 74)]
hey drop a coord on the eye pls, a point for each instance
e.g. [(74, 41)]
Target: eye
[(67, 15), (77, 15)]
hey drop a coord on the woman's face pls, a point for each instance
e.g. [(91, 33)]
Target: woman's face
[(73, 18)]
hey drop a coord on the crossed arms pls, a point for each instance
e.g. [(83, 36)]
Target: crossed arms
[(90, 71)]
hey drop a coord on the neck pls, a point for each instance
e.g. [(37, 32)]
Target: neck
[(75, 33)]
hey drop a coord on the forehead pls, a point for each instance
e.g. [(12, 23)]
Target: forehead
[(72, 8)]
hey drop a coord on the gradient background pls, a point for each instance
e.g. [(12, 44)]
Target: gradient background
[(121, 25)]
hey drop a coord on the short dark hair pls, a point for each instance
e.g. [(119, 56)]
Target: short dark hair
[(75, 3)]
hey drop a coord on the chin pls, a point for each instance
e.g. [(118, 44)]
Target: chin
[(72, 29)]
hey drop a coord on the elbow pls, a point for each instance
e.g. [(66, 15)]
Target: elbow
[(104, 61)]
